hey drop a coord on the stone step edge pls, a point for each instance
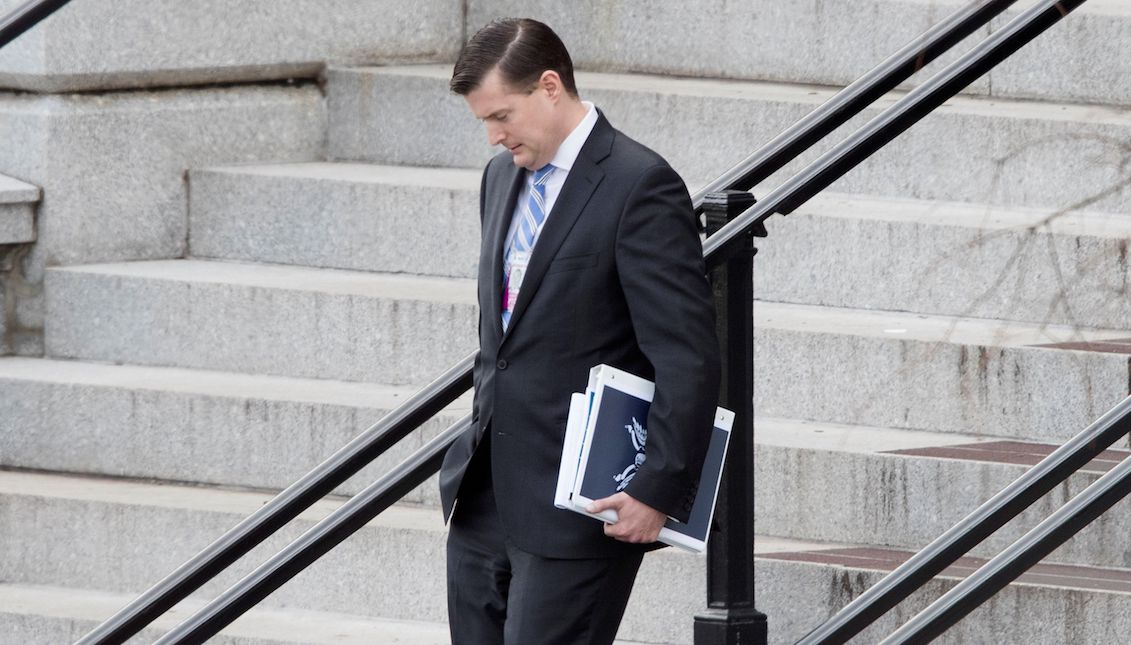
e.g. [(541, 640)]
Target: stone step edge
[(215, 383), (15, 191), (290, 625), (417, 518), (768, 315), (89, 608), (287, 278), (790, 92), (845, 438), (1045, 574), (828, 204), (190, 497)]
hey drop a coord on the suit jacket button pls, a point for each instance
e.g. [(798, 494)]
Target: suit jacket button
[(502, 364)]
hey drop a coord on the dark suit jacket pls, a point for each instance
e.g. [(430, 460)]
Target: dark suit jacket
[(616, 277)]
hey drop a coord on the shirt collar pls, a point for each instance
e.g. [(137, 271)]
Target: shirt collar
[(571, 147)]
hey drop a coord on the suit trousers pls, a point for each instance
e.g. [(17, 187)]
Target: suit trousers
[(499, 594)]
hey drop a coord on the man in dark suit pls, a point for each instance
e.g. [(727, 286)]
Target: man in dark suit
[(590, 254)]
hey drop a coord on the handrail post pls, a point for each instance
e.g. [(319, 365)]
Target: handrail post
[(730, 618)]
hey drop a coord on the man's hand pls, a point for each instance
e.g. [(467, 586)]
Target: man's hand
[(636, 521)]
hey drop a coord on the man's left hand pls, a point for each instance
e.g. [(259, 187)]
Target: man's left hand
[(636, 521)]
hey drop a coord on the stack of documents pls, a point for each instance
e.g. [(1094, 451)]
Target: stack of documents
[(606, 442)]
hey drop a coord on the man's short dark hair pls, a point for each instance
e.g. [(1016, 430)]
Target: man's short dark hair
[(521, 48)]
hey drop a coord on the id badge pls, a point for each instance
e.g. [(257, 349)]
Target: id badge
[(519, 260)]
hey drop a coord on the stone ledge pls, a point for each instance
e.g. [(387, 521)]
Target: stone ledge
[(14, 191), (198, 426), (976, 150), (35, 614), (828, 42), (68, 532), (17, 210), (148, 43), (901, 488), (348, 216), (262, 319)]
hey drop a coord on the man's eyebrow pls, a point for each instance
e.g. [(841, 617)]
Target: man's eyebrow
[(496, 114)]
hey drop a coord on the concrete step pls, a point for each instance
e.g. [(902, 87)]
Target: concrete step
[(341, 215), (68, 532), (266, 432), (35, 614), (113, 166), (819, 42), (902, 488), (801, 583), (855, 366), (261, 319), (17, 210), (195, 426), (114, 163), (221, 44), (940, 373), (948, 258), (1003, 152), (828, 42), (951, 258)]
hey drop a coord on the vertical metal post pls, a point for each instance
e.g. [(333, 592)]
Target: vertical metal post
[(730, 618)]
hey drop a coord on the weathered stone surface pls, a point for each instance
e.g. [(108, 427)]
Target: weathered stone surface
[(394, 219), (819, 41), (798, 596), (42, 615), (854, 490), (313, 323), (147, 43), (934, 257), (393, 567), (191, 425), (17, 210), (950, 258), (112, 166), (1085, 58), (998, 152), (17, 223), (112, 169), (970, 376), (14, 191)]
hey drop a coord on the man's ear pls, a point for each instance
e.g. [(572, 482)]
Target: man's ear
[(551, 83)]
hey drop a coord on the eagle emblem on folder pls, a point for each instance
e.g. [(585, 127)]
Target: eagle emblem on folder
[(638, 434)]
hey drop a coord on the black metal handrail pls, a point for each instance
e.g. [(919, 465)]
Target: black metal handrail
[(974, 528), (1020, 556), (770, 158), (894, 120), (287, 505), (852, 100), (717, 248), (25, 17), (318, 540)]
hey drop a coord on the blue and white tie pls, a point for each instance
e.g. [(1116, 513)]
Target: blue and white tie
[(530, 221)]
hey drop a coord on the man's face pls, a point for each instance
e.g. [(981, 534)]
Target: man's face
[(522, 122)]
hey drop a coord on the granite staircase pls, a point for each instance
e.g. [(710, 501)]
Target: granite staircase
[(235, 280)]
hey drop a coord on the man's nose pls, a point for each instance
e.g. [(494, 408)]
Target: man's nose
[(494, 134)]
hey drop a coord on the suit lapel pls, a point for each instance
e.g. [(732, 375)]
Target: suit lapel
[(500, 220), (583, 179)]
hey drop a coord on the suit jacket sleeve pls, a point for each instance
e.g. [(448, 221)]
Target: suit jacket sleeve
[(660, 265)]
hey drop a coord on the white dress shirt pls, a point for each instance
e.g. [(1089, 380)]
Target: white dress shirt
[(562, 162)]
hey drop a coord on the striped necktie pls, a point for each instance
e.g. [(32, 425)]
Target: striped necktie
[(530, 220)]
